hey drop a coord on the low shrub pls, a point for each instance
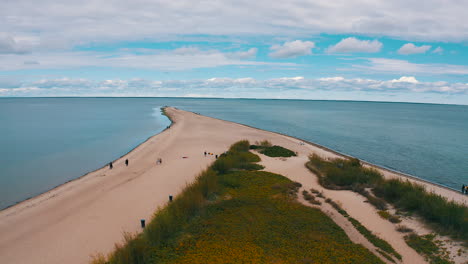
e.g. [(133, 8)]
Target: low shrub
[(277, 151)]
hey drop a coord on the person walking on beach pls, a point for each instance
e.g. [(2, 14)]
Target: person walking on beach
[(126, 162), (205, 153), (216, 156), (110, 165)]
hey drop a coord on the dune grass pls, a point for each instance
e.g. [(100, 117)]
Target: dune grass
[(231, 215), (446, 217)]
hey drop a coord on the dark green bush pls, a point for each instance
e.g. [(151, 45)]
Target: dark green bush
[(277, 151)]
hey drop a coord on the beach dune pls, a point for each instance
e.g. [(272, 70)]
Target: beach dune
[(89, 215)]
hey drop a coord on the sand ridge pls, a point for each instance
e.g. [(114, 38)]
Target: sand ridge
[(90, 214)]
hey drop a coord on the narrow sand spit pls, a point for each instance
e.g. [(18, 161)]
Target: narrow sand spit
[(90, 214)]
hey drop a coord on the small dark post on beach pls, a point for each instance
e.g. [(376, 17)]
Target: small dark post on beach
[(142, 223), (216, 156), (110, 165), (170, 198), (126, 162), (205, 153)]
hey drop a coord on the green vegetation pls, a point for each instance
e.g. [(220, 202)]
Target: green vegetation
[(447, 217), (310, 198), (266, 148), (403, 229), (231, 215), (277, 151), (392, 218), (376, 241), (426, 246)]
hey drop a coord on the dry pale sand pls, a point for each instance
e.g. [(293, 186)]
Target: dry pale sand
[(80, 218)]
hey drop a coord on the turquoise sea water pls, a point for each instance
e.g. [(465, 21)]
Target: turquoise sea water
[(45, 142)]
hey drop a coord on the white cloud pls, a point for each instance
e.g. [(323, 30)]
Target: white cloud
[(410, 48), (184, 58), (406, 67), (297, 78), (438, 50), (249, 54), (351, 44), (78, 22), (332, 79), (292, 49), (285, 87), (407, 79)]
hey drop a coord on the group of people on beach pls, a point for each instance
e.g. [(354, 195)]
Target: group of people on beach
[(111, 165), (465, 189), (158, 161), (209, 153)]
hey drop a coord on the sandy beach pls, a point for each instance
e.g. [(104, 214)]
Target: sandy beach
[(89, 215)]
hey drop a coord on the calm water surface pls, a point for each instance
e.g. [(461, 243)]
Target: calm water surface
[(45, 142)]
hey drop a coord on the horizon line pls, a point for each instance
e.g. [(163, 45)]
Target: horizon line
[(232, 98)]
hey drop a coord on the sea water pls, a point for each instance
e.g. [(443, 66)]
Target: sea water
[(45, 142)]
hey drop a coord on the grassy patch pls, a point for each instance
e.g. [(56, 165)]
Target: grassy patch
[(267, 149), (277, 151), (447, 217), (239, 216), (426, 246)]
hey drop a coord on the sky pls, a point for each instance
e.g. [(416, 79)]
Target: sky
[(371, 50)]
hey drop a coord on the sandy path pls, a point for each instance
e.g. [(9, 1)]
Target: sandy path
[(88, 215)]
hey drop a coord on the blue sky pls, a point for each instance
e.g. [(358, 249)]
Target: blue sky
[(348, 50)]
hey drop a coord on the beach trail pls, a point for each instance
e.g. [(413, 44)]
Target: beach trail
[(89, 215)]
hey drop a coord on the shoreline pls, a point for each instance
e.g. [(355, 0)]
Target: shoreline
[(338, 153), (92, 171)]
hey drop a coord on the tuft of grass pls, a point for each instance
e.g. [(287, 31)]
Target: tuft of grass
[(264, 143), (447, 217), (392, 218), (403, 229), (239, 216), (314, 191), (310, 198)]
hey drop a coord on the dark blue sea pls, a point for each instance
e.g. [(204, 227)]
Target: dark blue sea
[(45, 142)]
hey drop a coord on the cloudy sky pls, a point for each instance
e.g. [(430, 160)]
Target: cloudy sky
[(401, 50)]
